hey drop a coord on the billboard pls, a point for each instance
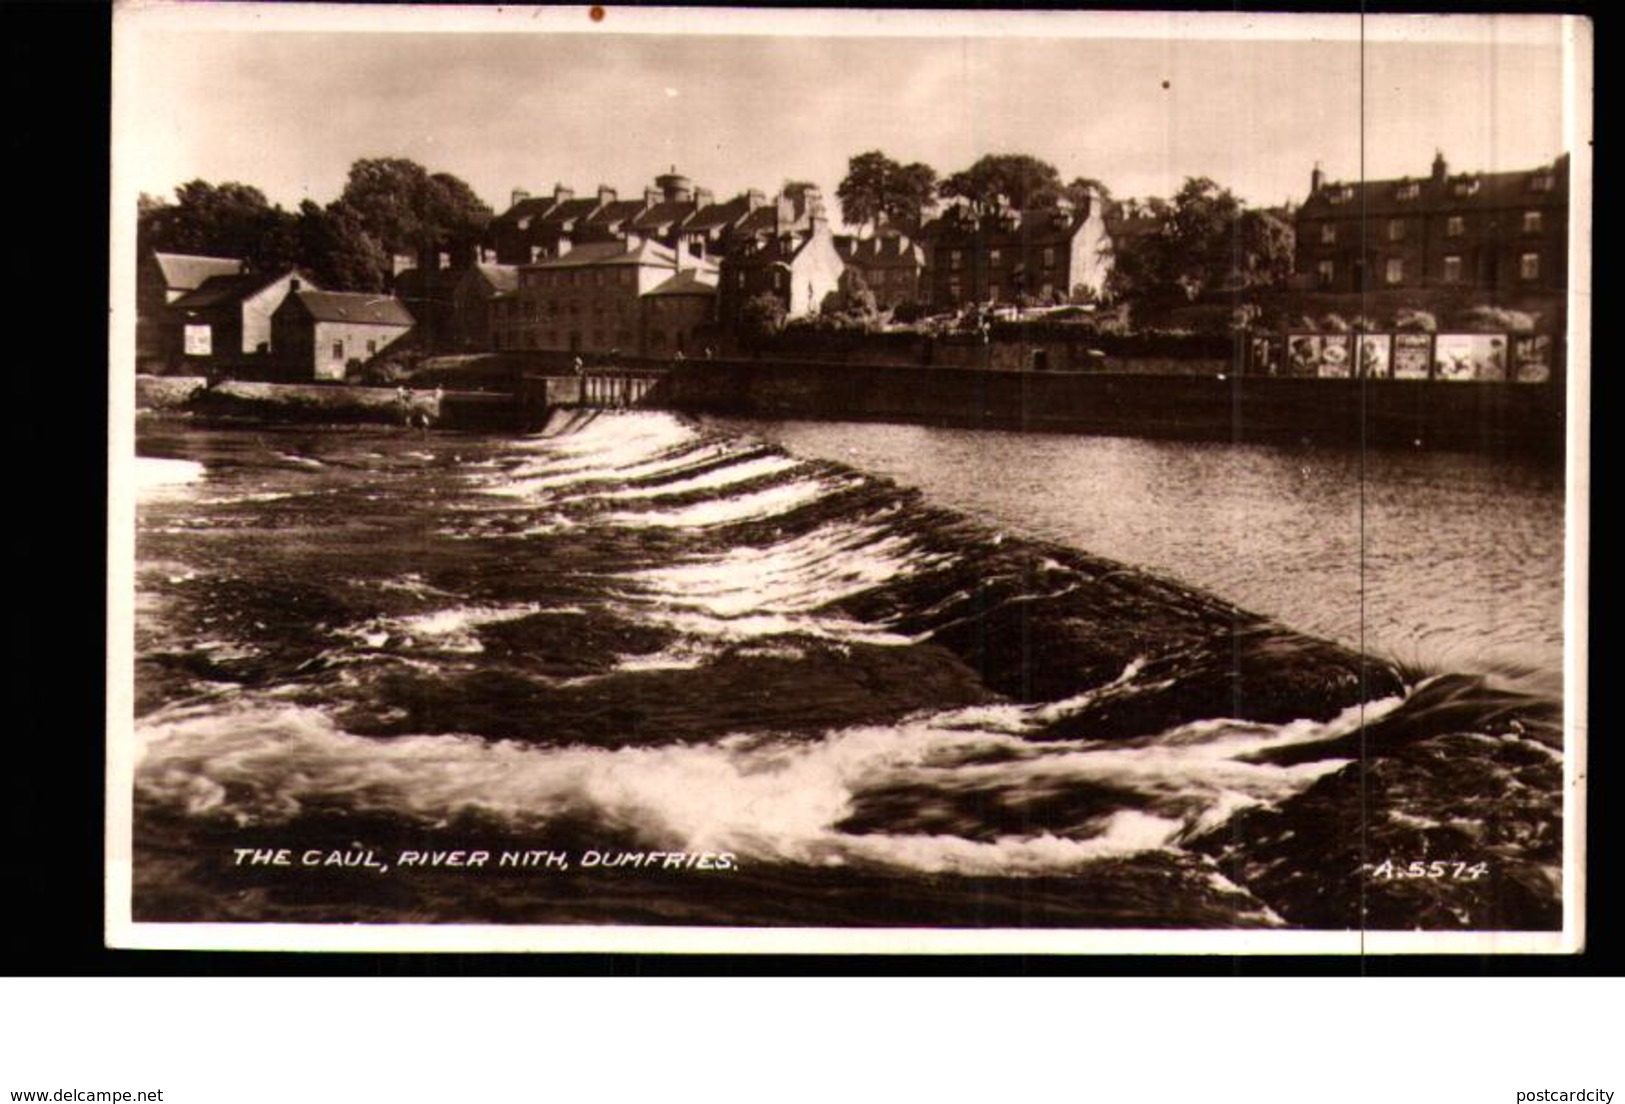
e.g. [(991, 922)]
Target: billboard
[(1374, 360), (1413, 352), (1303, 355), (1336, 361), (1470, 357), (1532, 358)]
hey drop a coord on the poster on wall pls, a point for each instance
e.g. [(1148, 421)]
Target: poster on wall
[(1303, 355), (1413, 352), (199, 340), (1374, 359), (1470, 357), (1532, 358), (1335, 361), (1266, 356)]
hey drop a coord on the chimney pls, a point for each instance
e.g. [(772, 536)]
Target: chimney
[(703, 197), (1317, 179), (561, 194), (519, 196), (755, 199), (651, 196), (1440, 169), (606, 194), (787, 212)]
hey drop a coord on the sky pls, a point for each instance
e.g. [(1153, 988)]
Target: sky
[(287, 98)]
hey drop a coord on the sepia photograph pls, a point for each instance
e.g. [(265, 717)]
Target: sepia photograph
[(733, 480)]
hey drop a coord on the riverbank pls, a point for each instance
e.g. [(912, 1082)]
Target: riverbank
[(238, 400)]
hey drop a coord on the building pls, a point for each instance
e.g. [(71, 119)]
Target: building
[(1046, 254), (888, 265), (1505, 232), (478, 287), (638, 297), (226, 320), (784, 249), (160, 279), (322, 334)]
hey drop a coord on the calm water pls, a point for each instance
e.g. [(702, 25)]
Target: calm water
[(836, 676), (1443, 561)]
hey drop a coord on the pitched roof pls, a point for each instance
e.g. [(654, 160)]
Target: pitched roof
[(1016, 229), (187, 271), (618, 211), (222, 290), (593, 254), (762, 220), (1482, 191), (668, 212), (687, 282), (571, 210), (501, 277), (714, 216), (346, 306), (890, 251), (526, 208)]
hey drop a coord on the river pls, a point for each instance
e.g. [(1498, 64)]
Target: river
[(638, 671)]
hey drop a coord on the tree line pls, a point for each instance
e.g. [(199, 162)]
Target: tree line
[(389, 206), (1202, 239)]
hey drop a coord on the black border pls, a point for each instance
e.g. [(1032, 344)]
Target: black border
[(59, 74)]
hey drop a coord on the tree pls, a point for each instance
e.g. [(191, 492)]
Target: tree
[(407, 210), (1086, 189), (1022, 180), (1204, 240), (338, 251), (761, 316), (224, 220), (877, 189)]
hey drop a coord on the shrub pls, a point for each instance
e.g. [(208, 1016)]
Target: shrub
[(1415, 321)]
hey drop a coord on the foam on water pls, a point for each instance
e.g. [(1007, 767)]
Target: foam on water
[(766, 503), (768, 798), (155, 477)]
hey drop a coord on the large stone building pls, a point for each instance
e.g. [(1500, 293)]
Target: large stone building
[(1505, 232), (638, 297), (1046, 255)]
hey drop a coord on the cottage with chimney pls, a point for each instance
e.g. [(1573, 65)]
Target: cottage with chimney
[(225, 322), (160, 279), (320, 335), (785, 250)]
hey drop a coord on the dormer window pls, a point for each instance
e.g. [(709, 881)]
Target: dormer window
[(1466, 187), (1340, 194), (1541, 182), (1409, 190)]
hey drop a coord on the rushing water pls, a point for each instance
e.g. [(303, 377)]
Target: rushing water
[(668, 674)]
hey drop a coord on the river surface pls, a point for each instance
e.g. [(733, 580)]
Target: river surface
[(661, 673), (1440, 561)]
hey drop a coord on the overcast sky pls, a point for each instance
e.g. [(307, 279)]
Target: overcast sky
[(287, 102)]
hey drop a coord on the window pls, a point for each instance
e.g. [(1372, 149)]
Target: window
[(1541, 182), (1531, 222), (1328, 233), (954, 258), (1529, 266), (1325, 271), (338, 350), (1394, 270), (741, 281), (1396, 230), (1466, 187), (994, 257), (1455, 226), (1341, 195), (199, 340), (993, 293), (1452, 270), (372, 347), (1408, 190), (1049, 256), (953, 291), (1047, 292)]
